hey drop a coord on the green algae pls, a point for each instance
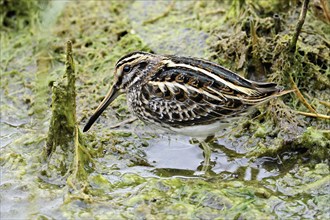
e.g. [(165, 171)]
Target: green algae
[(308, 67), (120, 184), (65, 153), (62, 125), (18, 15)]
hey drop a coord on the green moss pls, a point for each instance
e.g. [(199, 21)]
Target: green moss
[(317, 141), (63, 121), (20, 14), (130, 179), (315, 138), (120, 181)]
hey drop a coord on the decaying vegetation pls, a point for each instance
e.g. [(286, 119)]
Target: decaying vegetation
[(107, 173)]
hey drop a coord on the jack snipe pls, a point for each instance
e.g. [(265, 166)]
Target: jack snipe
[(186, 95)]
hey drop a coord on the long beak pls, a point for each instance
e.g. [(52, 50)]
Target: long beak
[(113, 93)]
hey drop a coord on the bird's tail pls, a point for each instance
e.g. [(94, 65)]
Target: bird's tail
[(265, 92)]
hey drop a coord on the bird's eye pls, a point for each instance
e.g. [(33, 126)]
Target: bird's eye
[(126, 68)]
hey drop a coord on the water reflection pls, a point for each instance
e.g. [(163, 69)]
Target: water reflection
[(178, 156)]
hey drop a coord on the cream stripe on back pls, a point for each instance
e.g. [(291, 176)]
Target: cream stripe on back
[(244, 90)]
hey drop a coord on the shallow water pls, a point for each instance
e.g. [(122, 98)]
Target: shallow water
[(176, 154), (137, 174)]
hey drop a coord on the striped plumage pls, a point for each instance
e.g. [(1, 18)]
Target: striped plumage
[(186, 95)]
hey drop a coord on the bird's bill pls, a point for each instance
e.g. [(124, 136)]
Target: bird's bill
[(113, 93)]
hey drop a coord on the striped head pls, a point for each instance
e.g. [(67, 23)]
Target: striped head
[(130, 70)]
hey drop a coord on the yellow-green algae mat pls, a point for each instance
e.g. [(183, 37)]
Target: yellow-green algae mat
[(274, 165)]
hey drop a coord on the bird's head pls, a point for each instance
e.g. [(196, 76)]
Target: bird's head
[(130, 70)]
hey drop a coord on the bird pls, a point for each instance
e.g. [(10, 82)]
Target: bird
[(185, 95)]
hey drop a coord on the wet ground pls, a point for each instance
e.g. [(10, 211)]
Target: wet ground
[(259, 169)]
